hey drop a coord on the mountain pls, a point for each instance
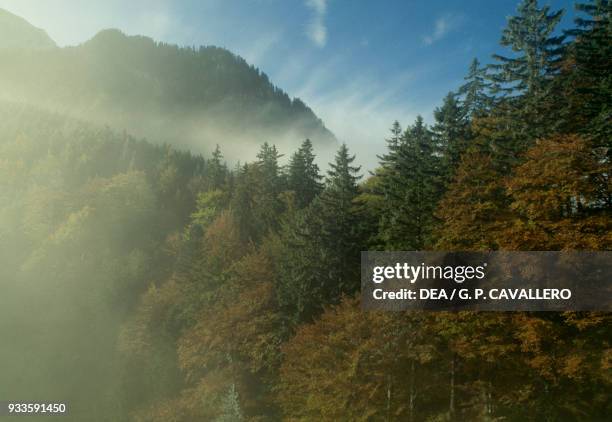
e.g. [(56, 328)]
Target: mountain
[(16, 32), (188, 97)]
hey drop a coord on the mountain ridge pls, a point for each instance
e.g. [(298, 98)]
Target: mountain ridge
[(16, 32), (190, 97)]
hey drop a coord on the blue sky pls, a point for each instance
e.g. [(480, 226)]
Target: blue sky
[(359, 64)]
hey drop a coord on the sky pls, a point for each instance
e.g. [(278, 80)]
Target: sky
[(358, 64)]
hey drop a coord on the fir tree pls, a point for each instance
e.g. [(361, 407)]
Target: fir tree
[(217, 169), (231, 407), (304, 178), (450, 134), (268, 157), (411, 184), (266, 182), (537, 51), (475, 99), (393, 144), (590, 81), (320, 257), (342, 178)]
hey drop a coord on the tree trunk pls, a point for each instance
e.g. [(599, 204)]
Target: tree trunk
[(451, 404), (412, 397), (389, 391)]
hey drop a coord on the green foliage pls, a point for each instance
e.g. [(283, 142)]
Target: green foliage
[(475, 102), (319, 260), (451, 133), (303, 175), (258, 201), (583, 94), (538, 52), (209, 205), (166, 287), (411, 179)]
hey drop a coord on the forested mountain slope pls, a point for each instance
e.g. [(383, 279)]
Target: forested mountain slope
[(191, 97), (16, 32), (84, 217), (145, 283)]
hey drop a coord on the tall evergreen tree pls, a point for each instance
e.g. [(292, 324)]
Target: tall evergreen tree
[(474, 91), (589, 84), (320, 256), (217, 169), (230, 407), (267, 160), (529, 35), (599, 15), (342, 178), (304, 178), (450, 134), (393, 144), (411, 184), (265, 183)]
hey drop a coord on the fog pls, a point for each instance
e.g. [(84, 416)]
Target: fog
[(87, 211), (94, 191)]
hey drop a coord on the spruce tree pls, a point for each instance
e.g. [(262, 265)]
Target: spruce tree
[(411, 182), (537, 53), (451, 134), (342, 178), (598, 12), (591, 82), (267, 160), (320, 257), (474, 91), (266, 181), (304, 178), (230, 407), (393, 144), (342, 214), (217, 170)]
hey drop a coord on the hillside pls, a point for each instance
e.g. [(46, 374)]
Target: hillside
[(189, 97), (16, 32)]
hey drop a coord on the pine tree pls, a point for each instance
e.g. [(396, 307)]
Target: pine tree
[(538, 53), (342, 178), (304, 178), (450, 134), (320, 256), (475, 99), (217, 170), (343, 229), (231, 407), (393, 143), (589, 84), (267, 160), (599, 12), (411, 181), (264, 183)]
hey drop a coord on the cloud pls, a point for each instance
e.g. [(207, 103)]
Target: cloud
[(255, 50), (359, 110), (316, 29), (442, 26)]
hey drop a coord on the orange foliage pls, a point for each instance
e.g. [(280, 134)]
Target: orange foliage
[(554, 198)]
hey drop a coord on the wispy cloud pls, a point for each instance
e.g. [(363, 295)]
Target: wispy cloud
[(442, 26), (316, 29), (255, 51), (374, 104)]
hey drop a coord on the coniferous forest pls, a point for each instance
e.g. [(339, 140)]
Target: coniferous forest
[(143, 282)]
